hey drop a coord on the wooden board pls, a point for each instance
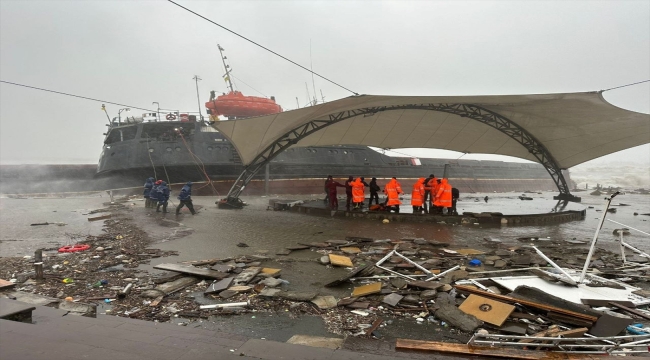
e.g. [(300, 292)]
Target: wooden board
[(491, 311), (270, 271), (508, 299), (4, 284), (340, 260), (469, 252), (96, 218), (508, 353), (367, 289), (191, 270)]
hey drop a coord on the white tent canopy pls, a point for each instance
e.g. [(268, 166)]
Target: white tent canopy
[(572, 128)]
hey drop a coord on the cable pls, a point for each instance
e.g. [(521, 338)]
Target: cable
[(77, 96), (248, 85), (622, 86), (265, 48)]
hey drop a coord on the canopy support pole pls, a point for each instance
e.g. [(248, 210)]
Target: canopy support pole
[(474, 112)]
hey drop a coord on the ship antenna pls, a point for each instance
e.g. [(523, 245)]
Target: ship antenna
[(311, 65), (227, 76), (321, 95)]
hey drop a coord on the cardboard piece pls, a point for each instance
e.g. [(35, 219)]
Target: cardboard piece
[(340, 260), (367, 289), (491, 311)]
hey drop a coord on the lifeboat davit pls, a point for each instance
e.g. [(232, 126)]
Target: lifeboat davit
[(236, 105)]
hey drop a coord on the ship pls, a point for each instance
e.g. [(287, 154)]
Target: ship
[(179, 147)]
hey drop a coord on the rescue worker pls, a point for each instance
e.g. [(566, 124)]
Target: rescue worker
[(435, 189), (153, 194), (327, 193), (417, 196), (374, 190), (185, 198), (363, 181), (348, 192), (358, 193), (148, 185), (392, 190), (427, 193), (163, 197), (331, 187), (455, 194), (443, 196)]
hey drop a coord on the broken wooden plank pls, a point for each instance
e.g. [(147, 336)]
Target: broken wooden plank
[(374, 326), (367, 289), (247, 275), (191, 270), (173, 286), (340, 260), (629, 310), (525, 302), (270, 271), (4, 284), (508, 353), (103, 217), (156, 301), (568, 319), (491, 311)]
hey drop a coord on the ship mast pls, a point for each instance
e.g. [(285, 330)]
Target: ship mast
[(226, 67)]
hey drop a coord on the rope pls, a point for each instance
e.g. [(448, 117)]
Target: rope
[(201, 167), (265, 48), (622, 86), (150, 159)]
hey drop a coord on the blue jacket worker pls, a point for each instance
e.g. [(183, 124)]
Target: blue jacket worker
[(186, 198), (153, 195), (147, 191), (163, 196)]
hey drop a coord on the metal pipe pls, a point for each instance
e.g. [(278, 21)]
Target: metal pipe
[(593, 242), (556, 266), (124, 292), (216, 306), (629, 227)]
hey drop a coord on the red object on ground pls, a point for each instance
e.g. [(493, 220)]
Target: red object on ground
[(235, 104), (74, 248)]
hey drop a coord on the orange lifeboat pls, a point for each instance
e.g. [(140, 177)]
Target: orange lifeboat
[(235, 104)]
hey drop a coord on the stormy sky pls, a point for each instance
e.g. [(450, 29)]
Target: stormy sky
[(139, 52)]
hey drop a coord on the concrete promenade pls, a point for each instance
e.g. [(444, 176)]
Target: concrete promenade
[(57, 336)]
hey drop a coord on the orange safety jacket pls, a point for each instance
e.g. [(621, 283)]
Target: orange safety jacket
[(431, 186), (443, 197), (417, 196), (392, 190), (358, 194)]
